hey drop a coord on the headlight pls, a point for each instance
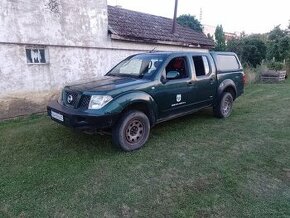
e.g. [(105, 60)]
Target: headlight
[(60, 97), (99, 101)]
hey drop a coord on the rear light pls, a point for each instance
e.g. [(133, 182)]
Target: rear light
[(244, 79)]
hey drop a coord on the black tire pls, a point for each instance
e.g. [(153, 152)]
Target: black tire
[(132, 131), (225, 105)]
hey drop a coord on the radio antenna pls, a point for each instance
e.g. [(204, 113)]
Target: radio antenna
[(152, 50)]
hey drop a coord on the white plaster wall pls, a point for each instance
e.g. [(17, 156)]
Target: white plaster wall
[(54, 22), (66, 65)]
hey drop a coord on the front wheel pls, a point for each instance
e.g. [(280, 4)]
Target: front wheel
[(225, 105), (132, 131)]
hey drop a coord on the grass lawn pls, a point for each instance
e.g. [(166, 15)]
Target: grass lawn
[(195, 166)]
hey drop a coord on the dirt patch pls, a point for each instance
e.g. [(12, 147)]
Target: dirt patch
[(203, 183), (24, 104)]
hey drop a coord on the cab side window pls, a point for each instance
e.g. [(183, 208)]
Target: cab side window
[(201, 65), (178, 64)]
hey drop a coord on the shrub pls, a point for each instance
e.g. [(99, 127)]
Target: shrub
[(287, 68), (273, 65), (253, 74)]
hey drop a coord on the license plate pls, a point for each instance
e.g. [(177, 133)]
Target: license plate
[(57, 116)]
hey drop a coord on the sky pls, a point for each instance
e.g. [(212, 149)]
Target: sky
[(251, 16)]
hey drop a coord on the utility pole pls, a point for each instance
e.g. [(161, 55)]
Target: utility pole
[(174, 17), (200, 15)]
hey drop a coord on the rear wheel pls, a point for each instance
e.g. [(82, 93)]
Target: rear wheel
[(132, 130), (225, 105)]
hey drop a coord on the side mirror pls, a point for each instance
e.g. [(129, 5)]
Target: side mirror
[(163, 79), (172, 75)]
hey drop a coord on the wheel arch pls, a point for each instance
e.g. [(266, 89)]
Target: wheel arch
[(143, 107), (228, 86), (137, 100)]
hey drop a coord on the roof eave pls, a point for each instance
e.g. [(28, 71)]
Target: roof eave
[(174, 43)]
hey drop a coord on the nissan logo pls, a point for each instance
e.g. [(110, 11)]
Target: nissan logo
[(69, 99)]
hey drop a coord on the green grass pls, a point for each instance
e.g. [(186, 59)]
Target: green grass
[(195, 166)]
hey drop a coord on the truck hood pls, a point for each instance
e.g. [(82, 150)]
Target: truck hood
[(106, 83)]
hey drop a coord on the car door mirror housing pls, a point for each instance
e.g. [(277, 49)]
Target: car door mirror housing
[(163, 79), (172, 75)]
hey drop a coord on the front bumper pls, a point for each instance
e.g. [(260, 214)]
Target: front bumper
[(82, 120)]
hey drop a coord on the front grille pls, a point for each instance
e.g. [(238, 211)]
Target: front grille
[(84, 103), (71, 98)]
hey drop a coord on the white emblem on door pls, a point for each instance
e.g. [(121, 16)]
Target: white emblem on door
[(178, 97)]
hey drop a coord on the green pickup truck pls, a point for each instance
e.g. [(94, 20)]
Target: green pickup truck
[(146, 89)]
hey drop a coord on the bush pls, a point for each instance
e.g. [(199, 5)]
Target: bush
[(253, 74), (287, 68), (273, 65), (251, 49)]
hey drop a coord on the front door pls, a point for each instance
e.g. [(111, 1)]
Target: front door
[(175, 95)]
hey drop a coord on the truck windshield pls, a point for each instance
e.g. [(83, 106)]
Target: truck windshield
[(139, 66)]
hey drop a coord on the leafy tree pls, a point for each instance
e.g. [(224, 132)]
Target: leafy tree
[(275, 46), (242, 34), (278, 46), (235, 45), (220, 44), (254, 50), (251, 49), (276, 33), (284, 47), (209, 36), (190, 21)]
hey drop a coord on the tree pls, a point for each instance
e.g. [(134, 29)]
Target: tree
[(190, 21), (254, 50), (278, 46), (220, 44), (243, 34), (284, 47), (251, 49), (276, 33), (209, 36), (235, 45)]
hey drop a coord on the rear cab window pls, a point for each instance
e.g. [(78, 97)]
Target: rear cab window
[(201, 65), (227, 62)]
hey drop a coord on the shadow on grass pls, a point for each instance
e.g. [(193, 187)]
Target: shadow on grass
[(41, 136), (199, 116), (75, 141), (82, 142)]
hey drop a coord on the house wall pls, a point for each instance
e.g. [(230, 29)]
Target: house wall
[(74, 35), (54, 22)]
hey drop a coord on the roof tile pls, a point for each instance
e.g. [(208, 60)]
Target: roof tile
[(132, 25)]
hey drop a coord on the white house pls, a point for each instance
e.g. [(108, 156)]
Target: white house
[(45, 44)]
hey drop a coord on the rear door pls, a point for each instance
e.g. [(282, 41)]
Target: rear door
[(205, 80)]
